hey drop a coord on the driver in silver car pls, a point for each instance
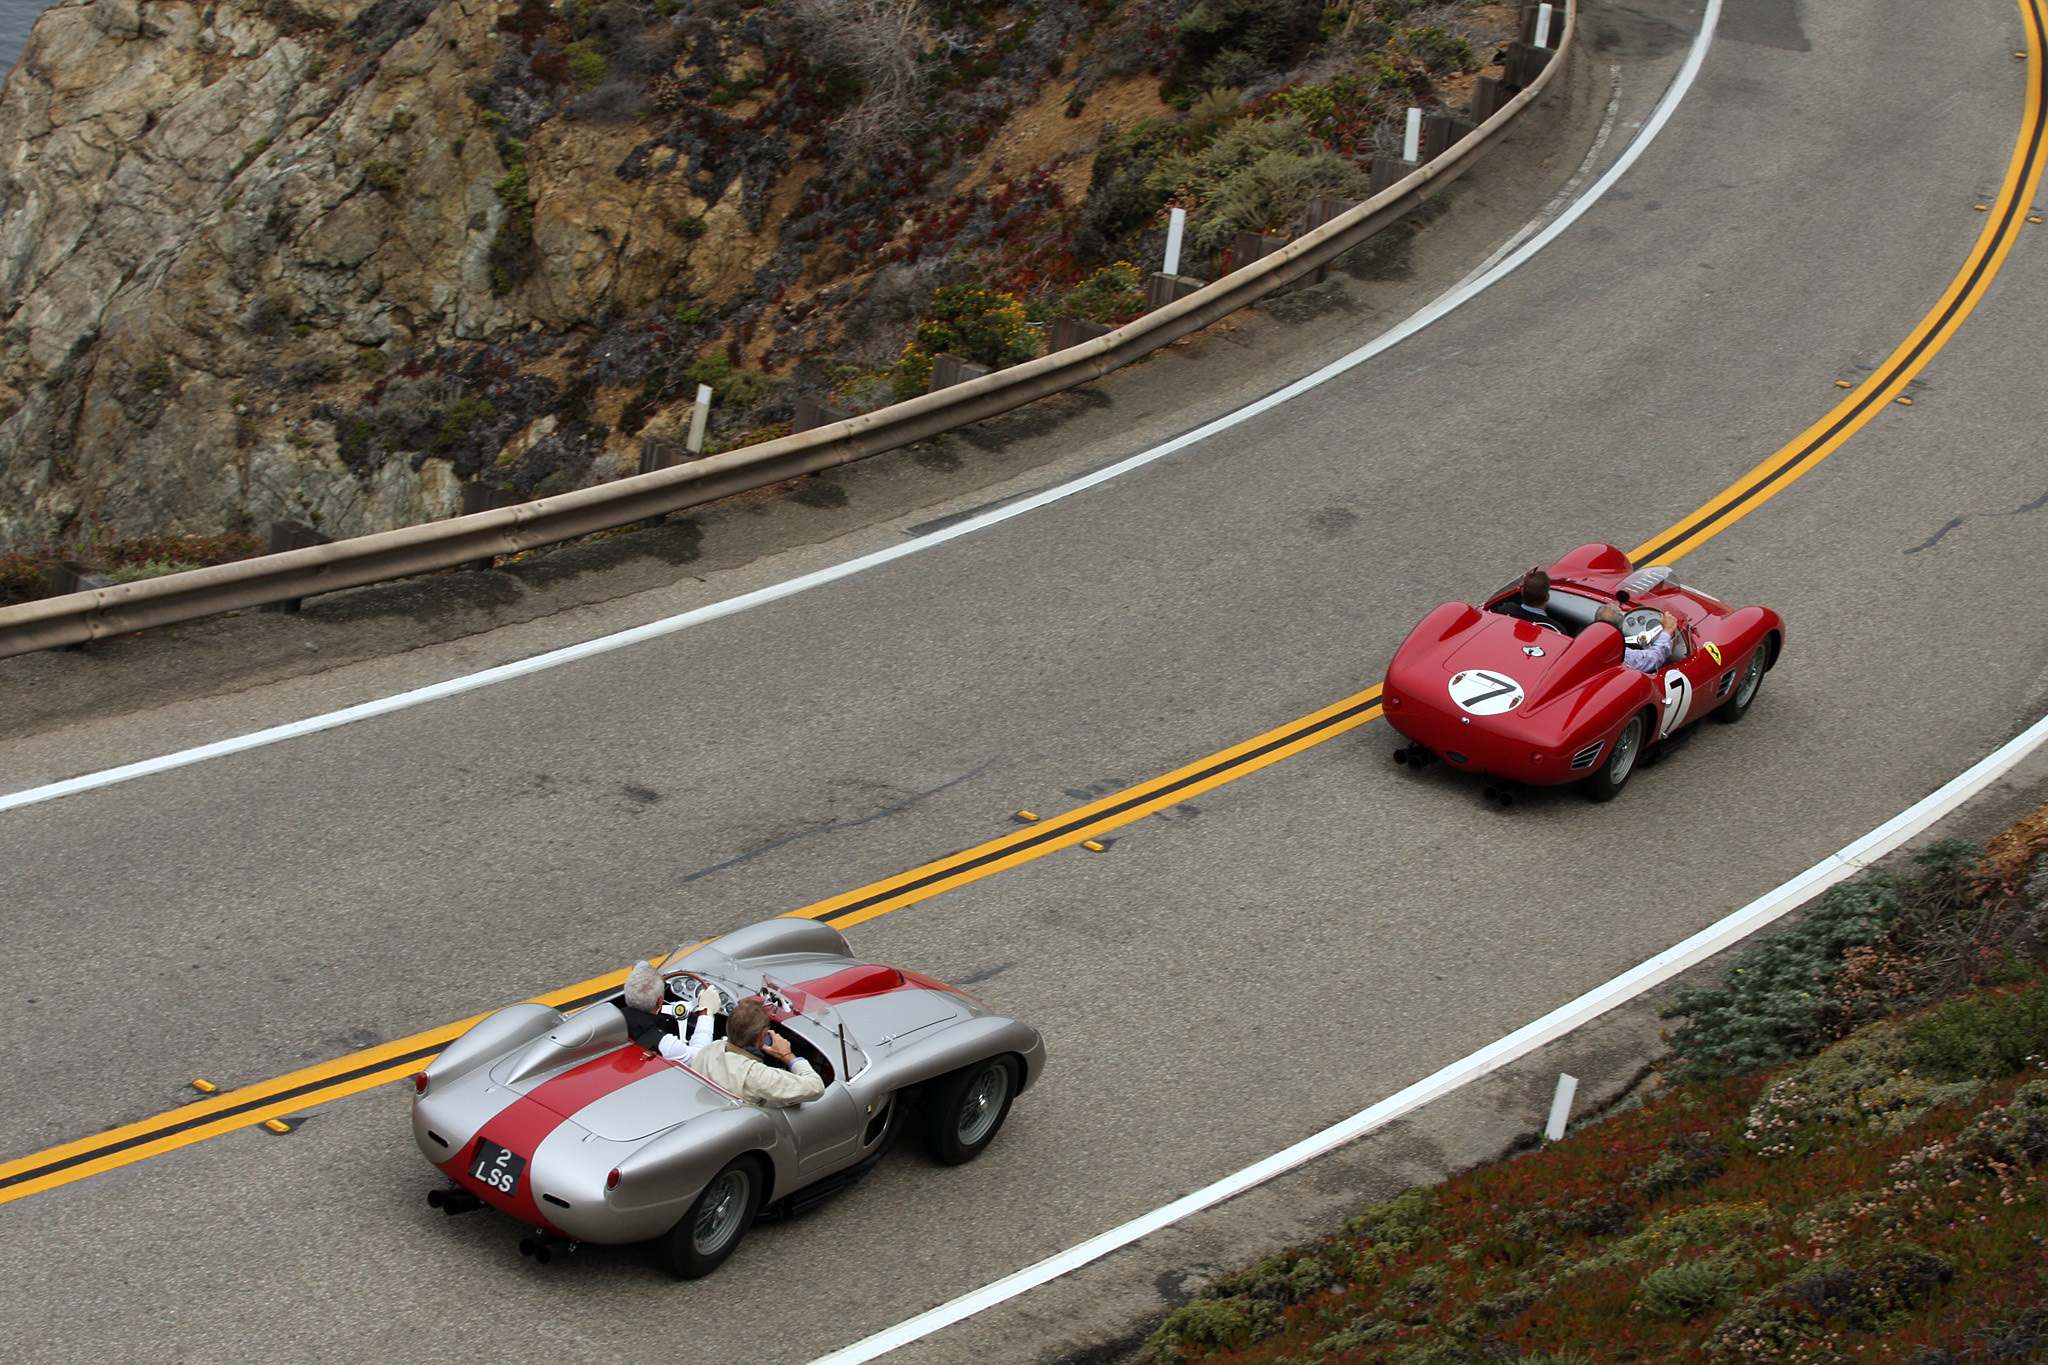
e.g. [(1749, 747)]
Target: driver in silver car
[(734, 1068), (661, 1030), (1650, 658)]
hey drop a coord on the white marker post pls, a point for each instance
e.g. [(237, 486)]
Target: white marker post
[(1543, 26), (1176, 223), (1411, 141), (699, 415), (1561, 1102)]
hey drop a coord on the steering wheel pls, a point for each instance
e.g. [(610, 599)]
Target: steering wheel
[(1641, 626), (1549, 625)]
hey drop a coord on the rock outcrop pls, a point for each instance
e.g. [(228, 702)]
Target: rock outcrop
[(326, 260)]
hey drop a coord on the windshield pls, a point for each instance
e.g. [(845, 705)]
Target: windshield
[(784, 1000)]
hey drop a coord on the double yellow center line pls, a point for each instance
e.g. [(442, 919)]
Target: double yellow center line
[(387, 1062)]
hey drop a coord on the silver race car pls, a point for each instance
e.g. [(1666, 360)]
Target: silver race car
[(585, 1136)]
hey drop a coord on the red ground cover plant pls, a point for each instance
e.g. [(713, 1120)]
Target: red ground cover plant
[(1880, 1201)]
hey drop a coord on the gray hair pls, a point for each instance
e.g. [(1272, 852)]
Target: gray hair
[(1609, 613), (643, 987)]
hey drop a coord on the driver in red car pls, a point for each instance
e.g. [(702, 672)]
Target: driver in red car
[(1650, 658)]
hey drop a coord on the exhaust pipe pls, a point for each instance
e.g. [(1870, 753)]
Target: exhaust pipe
[(453, 1201), (1401, 756), (545, 1246)]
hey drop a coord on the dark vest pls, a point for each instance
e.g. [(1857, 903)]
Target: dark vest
[(644, 1028)]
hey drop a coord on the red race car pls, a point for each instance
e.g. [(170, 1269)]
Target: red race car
[(1554, 700)]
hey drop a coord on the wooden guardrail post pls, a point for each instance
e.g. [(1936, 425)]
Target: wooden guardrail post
[(69, 576), (1066, 332), (482, 497), (1247, 247), (1440, 133), (812, 413), (292, 535), (948, 370), (1162, 289)]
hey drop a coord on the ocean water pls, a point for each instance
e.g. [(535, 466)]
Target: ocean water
[(16, 18)]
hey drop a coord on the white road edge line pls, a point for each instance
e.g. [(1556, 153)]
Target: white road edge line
[(1441, 306), (1724, 933)]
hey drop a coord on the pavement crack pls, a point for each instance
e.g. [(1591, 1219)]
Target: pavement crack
[(2036, 505), (905, 804)]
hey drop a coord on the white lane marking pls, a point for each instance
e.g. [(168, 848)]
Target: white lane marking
[(1722, 934), (1571, 186), (1442, 305)]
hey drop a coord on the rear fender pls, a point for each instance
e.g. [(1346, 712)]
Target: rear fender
[(1596, 650), (586, 1033), (493, 1037), (959, 1046), (672, 1168), (1601, 710)]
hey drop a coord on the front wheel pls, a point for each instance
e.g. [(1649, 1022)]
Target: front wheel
[(1612, 776), (1737, 706), (716, 1222), (963, 1110)]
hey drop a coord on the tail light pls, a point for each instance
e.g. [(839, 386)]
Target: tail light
[(1391, 703), (419, 1084), (1535, 757), (611, 1182)]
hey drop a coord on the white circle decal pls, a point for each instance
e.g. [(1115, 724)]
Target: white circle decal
[(1485, 693)]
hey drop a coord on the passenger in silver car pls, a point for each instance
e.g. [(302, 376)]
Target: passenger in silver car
[(734, 1068)]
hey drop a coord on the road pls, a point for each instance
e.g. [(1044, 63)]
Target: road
[(1228, 976)]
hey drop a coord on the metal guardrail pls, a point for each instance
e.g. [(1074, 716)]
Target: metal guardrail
[(97, 613)]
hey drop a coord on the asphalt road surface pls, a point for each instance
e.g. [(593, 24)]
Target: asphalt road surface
[(1228, 976)]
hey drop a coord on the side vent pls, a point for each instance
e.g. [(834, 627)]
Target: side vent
[(437, 1137), (1455, 756), (1588, 756), (1721, 687), (558, 1203)]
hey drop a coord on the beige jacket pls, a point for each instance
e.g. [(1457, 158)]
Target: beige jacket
[(755, 1081)]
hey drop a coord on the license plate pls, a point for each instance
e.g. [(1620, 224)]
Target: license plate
[(496, 1167)]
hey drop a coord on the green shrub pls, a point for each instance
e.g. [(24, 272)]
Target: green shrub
[(1773, 1006), (512, 247), (1245, 37), (463, 414), (1438, 51), (1986, 1036), (157, 375), (689, 314), (689, 227), (981, 325), (587, 65), (383, 177), (1113, 294), (1687, 1289), (1211, 1324), (731, 386)]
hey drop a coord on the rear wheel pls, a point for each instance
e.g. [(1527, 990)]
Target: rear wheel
[(1737, 706), (964, 1109), (1606, 783), (716, 1221)]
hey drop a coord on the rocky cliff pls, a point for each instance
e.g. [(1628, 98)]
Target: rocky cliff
[(326, 260)]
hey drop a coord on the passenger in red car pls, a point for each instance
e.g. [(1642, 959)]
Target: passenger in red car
[(1533, 601)]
